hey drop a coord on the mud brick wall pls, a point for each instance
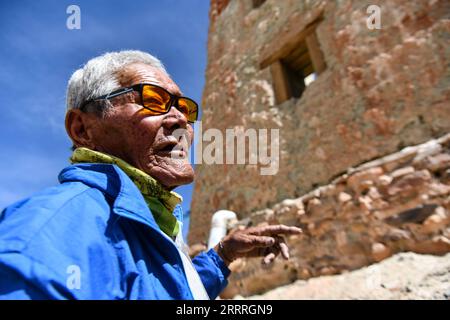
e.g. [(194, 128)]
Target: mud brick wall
[(382, 90)]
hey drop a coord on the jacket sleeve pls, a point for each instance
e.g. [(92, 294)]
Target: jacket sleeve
[(213, 272), (15, 287), (21, 278)]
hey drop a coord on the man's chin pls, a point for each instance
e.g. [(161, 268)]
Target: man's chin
[(179, 174), (178, 181)]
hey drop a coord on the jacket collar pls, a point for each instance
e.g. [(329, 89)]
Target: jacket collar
[(110, 179)]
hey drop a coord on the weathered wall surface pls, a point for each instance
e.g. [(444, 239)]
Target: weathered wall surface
[(404, 276), (397, 203), (382, 90)]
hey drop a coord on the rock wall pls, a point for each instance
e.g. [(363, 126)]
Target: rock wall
[(400, 202), (382, 90)]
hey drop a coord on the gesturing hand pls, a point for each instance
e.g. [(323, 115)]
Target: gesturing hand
[(266, 241)]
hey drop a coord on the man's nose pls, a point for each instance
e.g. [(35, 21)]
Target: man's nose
[(174, 119)]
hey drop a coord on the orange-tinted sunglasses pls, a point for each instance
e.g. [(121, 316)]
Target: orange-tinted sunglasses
[(157, 100)]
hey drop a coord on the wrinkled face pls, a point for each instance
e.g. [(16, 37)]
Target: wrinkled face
[(129, 132)]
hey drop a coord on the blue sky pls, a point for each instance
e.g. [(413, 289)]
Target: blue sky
[(38, 54)]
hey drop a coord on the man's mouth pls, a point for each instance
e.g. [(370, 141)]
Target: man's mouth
[(167, 148)]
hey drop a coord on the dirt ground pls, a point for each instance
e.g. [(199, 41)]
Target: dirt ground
[(402, 276)]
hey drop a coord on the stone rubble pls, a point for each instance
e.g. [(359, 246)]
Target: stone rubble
[(403, 276), (390, 205)]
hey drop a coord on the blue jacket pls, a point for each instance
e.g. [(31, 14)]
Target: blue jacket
[(93, 237)]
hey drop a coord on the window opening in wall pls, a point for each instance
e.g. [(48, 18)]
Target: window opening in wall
[(296, 64), (257, 3)]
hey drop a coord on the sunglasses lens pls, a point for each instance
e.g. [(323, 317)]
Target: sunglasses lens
[(155, 99), (189, 108)]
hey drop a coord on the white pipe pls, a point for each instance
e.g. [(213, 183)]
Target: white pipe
[(219, 223)]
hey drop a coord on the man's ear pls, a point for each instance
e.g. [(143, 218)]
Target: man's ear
[(78, 127)]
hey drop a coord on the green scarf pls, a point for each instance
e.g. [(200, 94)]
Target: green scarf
[(161, 201)]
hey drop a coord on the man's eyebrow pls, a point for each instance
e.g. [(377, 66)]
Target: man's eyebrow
[(176, 92)]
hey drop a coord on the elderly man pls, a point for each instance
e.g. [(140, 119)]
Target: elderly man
[(111, 229)]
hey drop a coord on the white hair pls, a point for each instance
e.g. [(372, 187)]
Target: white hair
[(99, 75)]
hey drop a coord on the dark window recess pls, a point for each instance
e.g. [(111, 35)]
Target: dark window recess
[(298, 69), (257, 3), (294, 64)]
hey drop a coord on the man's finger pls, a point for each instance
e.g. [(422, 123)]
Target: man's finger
[(269, 258), (276, 229), (284, 250), (283, 247), (260, 241), (270, 254)]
